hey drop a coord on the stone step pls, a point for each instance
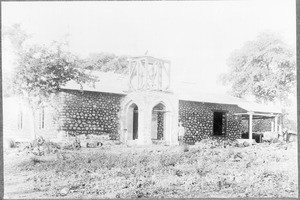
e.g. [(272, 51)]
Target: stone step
[(159, 142)]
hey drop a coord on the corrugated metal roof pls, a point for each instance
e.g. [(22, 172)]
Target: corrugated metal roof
[(255, 107), (110, 82), (190, 92), (194, 94)]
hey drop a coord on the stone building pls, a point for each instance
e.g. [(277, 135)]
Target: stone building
[(141, 107)]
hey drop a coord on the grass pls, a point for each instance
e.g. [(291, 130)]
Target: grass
[(265, 170)]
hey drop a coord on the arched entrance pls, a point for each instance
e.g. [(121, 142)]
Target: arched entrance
[(132, 122), (147, 116), (158, 122)]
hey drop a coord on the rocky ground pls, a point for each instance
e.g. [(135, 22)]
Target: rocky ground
[(118, 171)]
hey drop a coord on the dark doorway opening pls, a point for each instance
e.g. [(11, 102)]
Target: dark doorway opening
[(135, 123), (219, 123)]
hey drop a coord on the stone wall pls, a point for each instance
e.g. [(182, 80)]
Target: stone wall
[(197, 118), (160, 126), (259, 125), (160, 121), (86, 112)]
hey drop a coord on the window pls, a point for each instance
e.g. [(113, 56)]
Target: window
[(219, 123), (42, 118), (20, 120)]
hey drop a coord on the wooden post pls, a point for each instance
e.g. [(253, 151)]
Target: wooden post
[(276, 124), (130, 74), (272, 126), (138, 69), (169, 75), (250, 125), (280, 125), (146, 74), (160, 66)]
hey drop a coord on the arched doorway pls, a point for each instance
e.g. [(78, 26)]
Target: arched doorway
[(158, 122), (132, 122)]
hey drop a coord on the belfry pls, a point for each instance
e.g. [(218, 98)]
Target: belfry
[(150, 109)]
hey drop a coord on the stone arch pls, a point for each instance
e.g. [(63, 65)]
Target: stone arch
[(145, 102), (164, 119), (158, 122), (132, 122), (165, 103), (129, 120)]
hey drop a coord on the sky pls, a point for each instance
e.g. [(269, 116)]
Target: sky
[(196, 36)]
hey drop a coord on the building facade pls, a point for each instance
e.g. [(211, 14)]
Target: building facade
[(143, 111)]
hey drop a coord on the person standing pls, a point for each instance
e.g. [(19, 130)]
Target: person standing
[(180, 133)]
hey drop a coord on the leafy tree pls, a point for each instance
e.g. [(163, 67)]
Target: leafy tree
[(106, 62), (40, 71), (264, 68)]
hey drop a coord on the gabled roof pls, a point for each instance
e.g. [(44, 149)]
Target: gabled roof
[(110, 82)]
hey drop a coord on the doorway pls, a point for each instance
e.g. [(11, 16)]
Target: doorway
[(135, 123), (158, 122), (132, 122)]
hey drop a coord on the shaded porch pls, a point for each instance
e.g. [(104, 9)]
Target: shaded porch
[(276, 123)]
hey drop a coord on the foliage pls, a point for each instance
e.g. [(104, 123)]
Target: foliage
[(106, 62), (42, 70), (41, 147), (264, 68), (16, 36)]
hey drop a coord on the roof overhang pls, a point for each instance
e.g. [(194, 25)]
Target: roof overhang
[(259, 109), (257, 115)]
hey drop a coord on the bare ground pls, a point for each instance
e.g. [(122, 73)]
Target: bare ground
[(117, 171)]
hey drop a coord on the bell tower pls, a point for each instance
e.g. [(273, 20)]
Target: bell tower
[(147, 73), (149, 112)]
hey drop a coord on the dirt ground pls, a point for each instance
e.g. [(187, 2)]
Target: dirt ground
[(117, 171)]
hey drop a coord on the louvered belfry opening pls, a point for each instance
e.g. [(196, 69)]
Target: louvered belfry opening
[(148, 73)]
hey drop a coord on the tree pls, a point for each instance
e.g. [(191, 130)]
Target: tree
[(106, 62), (264, 68), (40, 71)]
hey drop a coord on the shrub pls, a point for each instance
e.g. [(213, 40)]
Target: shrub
[(10, 143), (168, 160), (186, 148), (34, 160)]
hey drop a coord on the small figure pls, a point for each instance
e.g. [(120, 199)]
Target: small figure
[(285, 134), (180, 133)]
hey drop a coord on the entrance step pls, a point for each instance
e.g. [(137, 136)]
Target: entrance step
[(159, 142)]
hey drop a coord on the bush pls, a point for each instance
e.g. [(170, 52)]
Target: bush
[(186, 148), (35, 160), (10, 143), (41, 147), (168, 160)]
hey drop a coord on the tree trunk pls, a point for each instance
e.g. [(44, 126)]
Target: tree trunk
[(33, 124)]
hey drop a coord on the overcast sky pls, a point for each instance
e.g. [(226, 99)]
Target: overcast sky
[(196, 36)]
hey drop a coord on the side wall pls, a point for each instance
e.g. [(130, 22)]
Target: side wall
[(197, 118), (19, 124), (86, 112), (17, 120), (47, 119)]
